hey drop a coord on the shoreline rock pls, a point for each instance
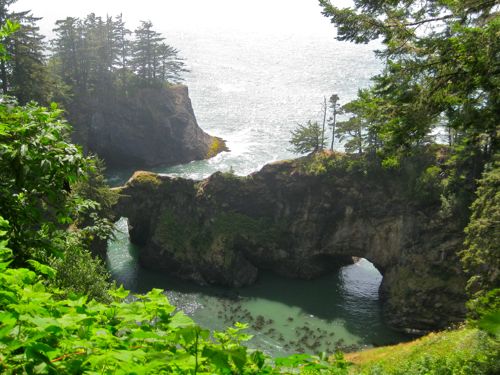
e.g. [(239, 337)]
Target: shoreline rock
[(146, 128), (302, 221)]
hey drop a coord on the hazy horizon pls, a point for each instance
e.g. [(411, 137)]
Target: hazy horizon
[(257, 16)]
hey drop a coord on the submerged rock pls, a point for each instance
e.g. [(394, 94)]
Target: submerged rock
[(143, 128), (302, 219)]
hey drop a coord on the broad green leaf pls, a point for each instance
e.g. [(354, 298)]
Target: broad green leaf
[(180, 320), (120, 293), (42, 269)]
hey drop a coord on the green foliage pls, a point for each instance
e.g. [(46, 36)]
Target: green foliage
[(443, 77), (44, 332), (37, 168), (350, 132), (314, 365), (23, 72), (481, 255), (428, 184), (307, 138), (462, 352), (490, 322), (95, 188), (77, 271), (95, 56), (323, 162), (37, 171), (152, 59), (8, 28), (94, 221), (357, 132)]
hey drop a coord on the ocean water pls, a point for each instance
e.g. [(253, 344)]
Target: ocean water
[(340, 311), (252, 90)]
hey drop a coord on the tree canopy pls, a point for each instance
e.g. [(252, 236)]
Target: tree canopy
[(441, 69), (95, 55), (23, 71), (307, 138)]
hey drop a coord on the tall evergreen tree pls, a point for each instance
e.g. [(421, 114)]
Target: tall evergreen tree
[(171, 66), (67, 48), (358, 132), (94, 54), (145, 52), (122, 42), (29, 77), (4, 16), (152, 59), (24, 74), (334, 107)]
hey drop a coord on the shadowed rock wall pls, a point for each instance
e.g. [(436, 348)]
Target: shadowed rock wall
[(152, 126)]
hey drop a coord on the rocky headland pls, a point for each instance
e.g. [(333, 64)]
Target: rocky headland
[(142, 128), (302, 219)]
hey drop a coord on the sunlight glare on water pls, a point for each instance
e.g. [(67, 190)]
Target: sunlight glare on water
[(252, 90)]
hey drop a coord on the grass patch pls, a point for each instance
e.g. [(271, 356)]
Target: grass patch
[(146, 179), (463, 351), (216, 147)]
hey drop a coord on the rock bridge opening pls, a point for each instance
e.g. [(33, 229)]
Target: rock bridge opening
[(224, 229), (330, 311)]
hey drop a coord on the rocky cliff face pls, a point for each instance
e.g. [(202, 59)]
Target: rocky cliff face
[(303, 219), (152, 126)]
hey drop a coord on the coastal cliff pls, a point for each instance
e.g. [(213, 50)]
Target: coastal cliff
[(144, 128), (302, 219)]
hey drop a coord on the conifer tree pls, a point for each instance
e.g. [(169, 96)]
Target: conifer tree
[(4, 16), (29, 78), (152, 59), (171, 66), (307, 138), (145, 48), (123, 46), (24, 73), (67, 49), (334, 107)]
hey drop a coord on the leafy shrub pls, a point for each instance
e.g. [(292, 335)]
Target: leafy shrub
[(43, 331), (37, 167), (77, 271)]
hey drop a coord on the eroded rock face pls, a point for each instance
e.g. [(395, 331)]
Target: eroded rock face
[(152, 126), (302, 224)]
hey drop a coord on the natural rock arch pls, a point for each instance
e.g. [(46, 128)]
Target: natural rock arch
[(299, 223)]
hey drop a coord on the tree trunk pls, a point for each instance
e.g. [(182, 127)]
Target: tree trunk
[(3, 76), (324, 123), (333, 125)]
